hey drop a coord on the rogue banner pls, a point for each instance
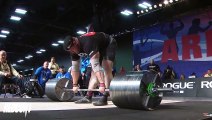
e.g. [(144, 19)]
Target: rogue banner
[(193, 87)]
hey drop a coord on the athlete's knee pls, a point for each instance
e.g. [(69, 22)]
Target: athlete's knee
[(95, 65)]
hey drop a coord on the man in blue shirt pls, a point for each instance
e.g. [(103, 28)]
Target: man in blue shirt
[(63, 73), (43, 74)]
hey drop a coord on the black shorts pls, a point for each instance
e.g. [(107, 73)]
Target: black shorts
[(110, 52)]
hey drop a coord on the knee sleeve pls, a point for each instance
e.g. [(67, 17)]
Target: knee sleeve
[(75, 66), (95, 65)]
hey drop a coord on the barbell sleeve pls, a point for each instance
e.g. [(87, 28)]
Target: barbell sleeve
[(163, 89)]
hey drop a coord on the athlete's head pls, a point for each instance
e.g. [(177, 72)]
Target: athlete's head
[(71, 44), (68, 42)]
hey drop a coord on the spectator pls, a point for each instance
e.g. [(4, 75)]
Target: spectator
[(43, 74), (122, 71), (153, 67), (193, 75), (208, 73), (137, 68), (182, 77), (54, 67), (63, 74), (169, 73), (9, 75)]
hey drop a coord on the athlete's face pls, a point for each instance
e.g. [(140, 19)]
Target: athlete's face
[(75, 49)]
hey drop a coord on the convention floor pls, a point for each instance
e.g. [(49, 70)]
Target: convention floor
[(45, 109)]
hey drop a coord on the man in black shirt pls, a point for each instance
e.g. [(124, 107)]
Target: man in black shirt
[(100, 47), (153, 67)]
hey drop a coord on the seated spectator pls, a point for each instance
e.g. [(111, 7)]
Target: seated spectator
[(9, 75), (43, 74), (63, 73), (208, 73), (137, 68), (169, 73), (193, 75), (182, 77)]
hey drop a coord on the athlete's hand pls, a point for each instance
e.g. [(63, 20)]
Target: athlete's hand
[(75, 89), (102, 87)]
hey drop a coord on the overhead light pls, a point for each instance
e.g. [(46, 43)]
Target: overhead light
[(176, 0), (55, 44), (3, 36), (42, 50), (155, 6), (19, 61), (32, 69), (5, 31), (15, 18), (142, 11), (150, 8), (13, 65), (126, 12), (147, 10), (143, 6), (166, 2), (29, 56), (160, 5), (81, 32), (171, 1), (20, 11), (38, 52), (138, 12), (60, 41), (146, 4)]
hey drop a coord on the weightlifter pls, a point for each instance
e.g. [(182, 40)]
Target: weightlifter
[(100, 47)]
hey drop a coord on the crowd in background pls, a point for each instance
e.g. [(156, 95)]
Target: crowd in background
[(169, 73), (51, 70)]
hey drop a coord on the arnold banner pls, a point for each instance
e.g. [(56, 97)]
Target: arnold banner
[(184, 43)]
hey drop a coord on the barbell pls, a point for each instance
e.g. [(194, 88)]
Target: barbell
[(135, 90), (97, 90)]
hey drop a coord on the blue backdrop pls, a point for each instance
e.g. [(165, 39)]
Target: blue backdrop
[(185, 31)]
